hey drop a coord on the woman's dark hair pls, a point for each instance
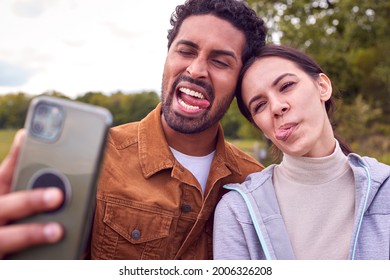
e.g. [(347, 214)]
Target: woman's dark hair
[(303, 61), (236, 12)]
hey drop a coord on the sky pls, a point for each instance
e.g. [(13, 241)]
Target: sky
[(77, 46)]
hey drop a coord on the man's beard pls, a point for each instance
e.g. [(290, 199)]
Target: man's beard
[(188, 125)]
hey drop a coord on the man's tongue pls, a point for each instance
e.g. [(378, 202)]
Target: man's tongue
[(193, 101)]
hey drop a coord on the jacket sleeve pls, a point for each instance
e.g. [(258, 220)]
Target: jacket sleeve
[(232, 237)]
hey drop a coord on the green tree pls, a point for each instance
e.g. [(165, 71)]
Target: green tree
[(139, 105), (232, 121), (348, 38), (356, 123), (94, 98), (124, 107), (13, 109), (235, 125)]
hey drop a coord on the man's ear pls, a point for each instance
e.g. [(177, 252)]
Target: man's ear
[(325, 86)]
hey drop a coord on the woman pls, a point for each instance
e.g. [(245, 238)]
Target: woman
[(321, 201)]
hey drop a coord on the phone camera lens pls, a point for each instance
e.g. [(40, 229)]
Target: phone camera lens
[(37, 128), (42, 110)]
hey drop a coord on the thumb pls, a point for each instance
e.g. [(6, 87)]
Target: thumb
[(7, 167)]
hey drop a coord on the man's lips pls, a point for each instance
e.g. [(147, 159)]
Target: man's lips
[(284, 131), (192, 100)]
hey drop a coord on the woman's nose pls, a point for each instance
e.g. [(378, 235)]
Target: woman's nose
[(280, 107)]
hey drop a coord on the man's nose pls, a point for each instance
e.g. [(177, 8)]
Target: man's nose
[(197, 68)]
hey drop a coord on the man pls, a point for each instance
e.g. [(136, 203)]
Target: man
[(162, 176)]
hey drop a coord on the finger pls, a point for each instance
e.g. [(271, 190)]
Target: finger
[(14, 238), (7, 167), (21, 204)]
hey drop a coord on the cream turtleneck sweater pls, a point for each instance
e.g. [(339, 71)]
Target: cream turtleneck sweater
[(317, 202)]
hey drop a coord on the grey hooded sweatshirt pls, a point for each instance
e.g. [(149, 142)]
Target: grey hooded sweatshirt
[(248, 223)]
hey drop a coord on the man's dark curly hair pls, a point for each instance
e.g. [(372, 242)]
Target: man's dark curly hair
[(234, 11)]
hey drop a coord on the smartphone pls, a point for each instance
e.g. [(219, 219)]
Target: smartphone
[(63, 148)]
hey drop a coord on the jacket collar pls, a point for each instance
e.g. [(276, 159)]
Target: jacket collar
[(369, 176)]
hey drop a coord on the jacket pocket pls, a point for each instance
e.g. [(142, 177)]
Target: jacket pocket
[(138, 232), (135, 225)]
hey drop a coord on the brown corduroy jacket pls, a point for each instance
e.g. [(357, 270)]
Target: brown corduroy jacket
[(148, 205)]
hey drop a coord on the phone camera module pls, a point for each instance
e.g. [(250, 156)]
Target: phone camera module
[(47, 121)]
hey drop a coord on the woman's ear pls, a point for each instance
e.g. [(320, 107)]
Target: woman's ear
[(325, 86)]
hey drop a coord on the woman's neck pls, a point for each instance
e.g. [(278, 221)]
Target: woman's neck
[(313, 171)]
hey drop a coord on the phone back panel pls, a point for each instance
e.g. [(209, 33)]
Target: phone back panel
[(69, 157)]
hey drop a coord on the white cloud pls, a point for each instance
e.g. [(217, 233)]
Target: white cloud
[(88, 45), (30, 8)]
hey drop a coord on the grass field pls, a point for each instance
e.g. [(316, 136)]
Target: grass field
[(6, 137)]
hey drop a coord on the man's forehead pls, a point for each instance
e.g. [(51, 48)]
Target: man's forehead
[(205, 19), (210, 29)]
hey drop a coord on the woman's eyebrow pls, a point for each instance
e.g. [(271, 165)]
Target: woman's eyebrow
[(278, 79), (253, 99)]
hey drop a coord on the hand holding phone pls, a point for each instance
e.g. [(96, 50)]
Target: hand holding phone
[(63, 148), (17, 205)]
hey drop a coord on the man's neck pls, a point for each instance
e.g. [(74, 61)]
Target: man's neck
[(195, 144)]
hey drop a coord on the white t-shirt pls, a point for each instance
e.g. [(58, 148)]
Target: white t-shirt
[(198, 166)]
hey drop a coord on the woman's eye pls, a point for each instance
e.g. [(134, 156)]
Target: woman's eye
[(258, 107), (286, 86)]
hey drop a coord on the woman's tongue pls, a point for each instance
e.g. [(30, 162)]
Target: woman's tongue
[(194, 101), (284, 133)]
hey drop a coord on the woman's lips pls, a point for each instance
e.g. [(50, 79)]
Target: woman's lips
[(284, 131)]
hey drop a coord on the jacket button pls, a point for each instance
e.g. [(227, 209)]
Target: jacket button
[(186, 208), (136, 234)]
